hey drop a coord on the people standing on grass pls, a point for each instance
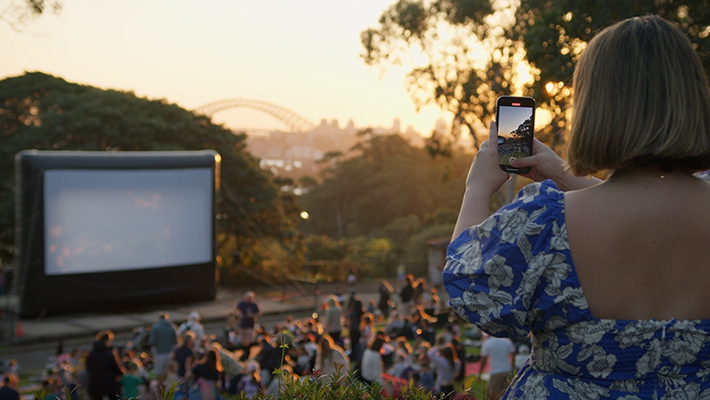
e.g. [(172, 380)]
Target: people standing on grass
[(499, 353), (248, 312), (406, 295), (185, 355), (104, 368), (193, 325), (331, 358), (332, 324), (163, 340), (207, 373), (10, 387), (306, 354), (447, 364), (371, 365)]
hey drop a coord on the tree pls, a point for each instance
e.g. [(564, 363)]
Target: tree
[(39, 111), (384, 188), (476, 50), (467, 61), (18, 15)]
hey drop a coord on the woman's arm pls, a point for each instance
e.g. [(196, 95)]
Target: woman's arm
[(484, 178)]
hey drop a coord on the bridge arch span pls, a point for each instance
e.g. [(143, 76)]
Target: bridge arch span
[(295, 122)]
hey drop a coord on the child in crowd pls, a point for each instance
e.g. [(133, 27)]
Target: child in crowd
[(131, 381)]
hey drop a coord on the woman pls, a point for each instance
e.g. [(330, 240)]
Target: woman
[(332, 324), (207, 373), (103, 368), (372, 366), (447, 367), (331, 358), (250, 384), (610, 277)]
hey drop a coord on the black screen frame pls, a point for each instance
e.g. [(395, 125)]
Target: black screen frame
[(41, 294)]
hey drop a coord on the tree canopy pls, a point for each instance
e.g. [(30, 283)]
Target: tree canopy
[(386, 188), (43, 112), (463, 54), (20, 13)]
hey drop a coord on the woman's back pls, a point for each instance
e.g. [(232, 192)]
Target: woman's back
[(639, 244)]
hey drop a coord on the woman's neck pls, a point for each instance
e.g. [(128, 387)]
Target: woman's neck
[(647, 174)]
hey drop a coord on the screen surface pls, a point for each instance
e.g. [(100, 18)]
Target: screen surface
[(113, 220), (515, 132)]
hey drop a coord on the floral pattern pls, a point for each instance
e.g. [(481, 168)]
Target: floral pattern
[(513, 274)]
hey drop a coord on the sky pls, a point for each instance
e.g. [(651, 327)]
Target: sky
[(303, 55), (511, 118)]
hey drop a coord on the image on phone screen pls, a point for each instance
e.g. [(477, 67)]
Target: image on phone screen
[(515, 130)]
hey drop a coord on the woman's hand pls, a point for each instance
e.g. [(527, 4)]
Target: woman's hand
[(484, 178), (485, 174), (546, 164)]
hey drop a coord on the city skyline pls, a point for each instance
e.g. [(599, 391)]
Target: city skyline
[(303, 56)]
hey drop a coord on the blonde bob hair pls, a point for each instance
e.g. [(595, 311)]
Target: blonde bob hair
[(641, 99)]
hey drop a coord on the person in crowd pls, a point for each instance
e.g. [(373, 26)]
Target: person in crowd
[(207, 373), (447, 367), (51, 388), (418, 292), (406, 295), (163, 340), (367, 331), (499, 352), (331, 358), (399, 367), (426, 377), (193, 325), (103, 368), (250, 384), (371, 366), (9, 390), (403, 348), (185, 355), (248, 313), (332, 324), (269, 358), (130, 381), (355, 313), (613, 259), (521, 357), (352, 279), (384, 303), (284, 376)]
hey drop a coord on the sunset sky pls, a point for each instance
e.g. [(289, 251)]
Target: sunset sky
[(303, 55)]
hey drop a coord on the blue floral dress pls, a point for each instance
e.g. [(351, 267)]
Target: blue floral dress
[(513, 274)]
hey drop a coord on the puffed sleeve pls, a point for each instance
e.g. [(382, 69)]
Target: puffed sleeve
[(507, 273)]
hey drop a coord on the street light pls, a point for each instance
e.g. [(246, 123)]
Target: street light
[(304, 215)]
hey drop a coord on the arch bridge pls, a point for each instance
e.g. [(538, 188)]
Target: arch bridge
[(295, 122)]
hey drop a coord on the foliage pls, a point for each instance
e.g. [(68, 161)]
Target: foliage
[(386, 179), (462, 62), (415, 250), (40, 111), (386, 189), (474, 50), (334, 387), (19, 15)]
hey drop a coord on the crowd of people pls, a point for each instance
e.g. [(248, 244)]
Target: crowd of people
[(406, 335)]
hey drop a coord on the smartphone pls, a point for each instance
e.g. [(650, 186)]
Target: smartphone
[(515, 117)]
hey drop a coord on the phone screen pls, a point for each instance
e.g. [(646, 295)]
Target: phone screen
[(516, 121)]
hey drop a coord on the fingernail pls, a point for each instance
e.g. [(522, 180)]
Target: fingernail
[(513, 160)]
